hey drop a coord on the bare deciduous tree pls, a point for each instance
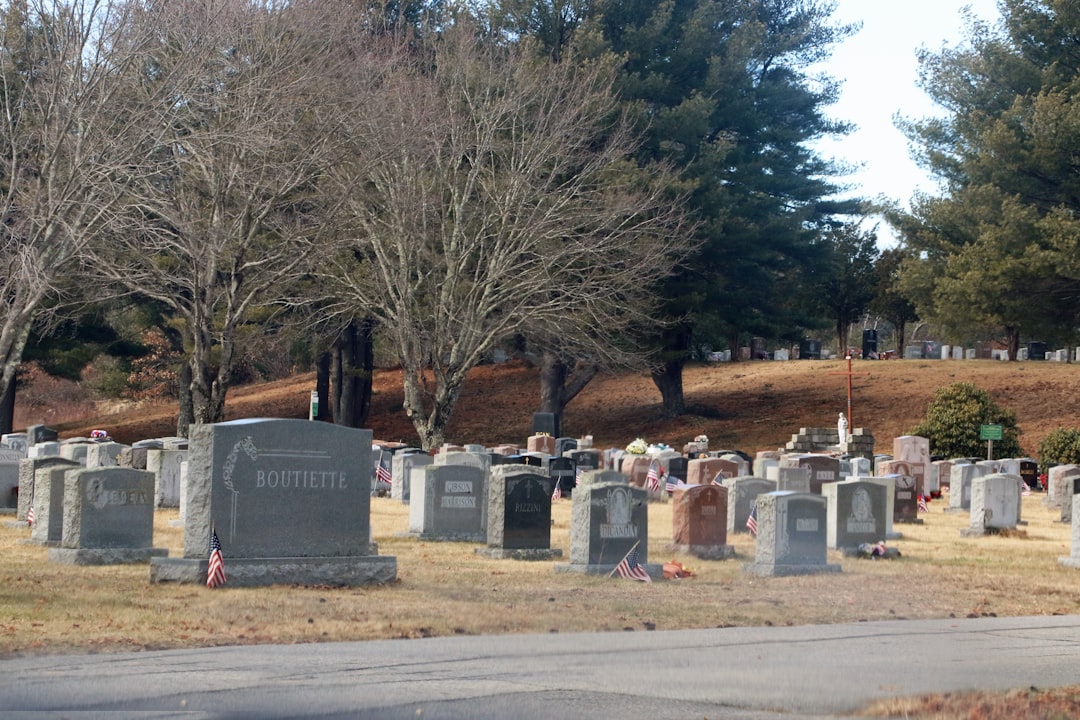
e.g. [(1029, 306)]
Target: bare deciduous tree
[(495, 197)]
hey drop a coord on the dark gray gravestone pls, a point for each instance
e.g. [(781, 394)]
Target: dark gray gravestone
[(906, 500), (607, 520), (39, 433), (677, 468), (857, 511), (1029, 471), (587, 459), (290, 502), (791, 535), (9, 481), (564, 445), (519, 515), (27, 469), (108, 517), (742, 493), (561, 470), (699, 522), (449, 502), (545, 423)]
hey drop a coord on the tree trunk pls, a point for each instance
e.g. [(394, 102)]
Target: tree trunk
[(733, 345), (353, 366), (186, 413), (1012, 335), (7, 405), (669, 381), (559, 385), (322, 387), (842, 332), (899, 338)]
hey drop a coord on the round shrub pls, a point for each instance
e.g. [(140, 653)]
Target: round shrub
[(953, 419), (1060, 446)]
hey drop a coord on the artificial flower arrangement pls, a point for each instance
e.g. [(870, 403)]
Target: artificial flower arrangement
[(638, 447)]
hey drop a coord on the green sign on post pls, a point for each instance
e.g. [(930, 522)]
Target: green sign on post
[(990, 432)]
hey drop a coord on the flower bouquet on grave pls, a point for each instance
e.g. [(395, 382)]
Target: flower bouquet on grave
[(657, 448), (638, 447), (676, 570)]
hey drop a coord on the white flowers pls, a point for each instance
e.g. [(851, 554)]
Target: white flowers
[(638, 447)]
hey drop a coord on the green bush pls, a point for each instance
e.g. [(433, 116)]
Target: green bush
[(1059, 446), (953, 420)]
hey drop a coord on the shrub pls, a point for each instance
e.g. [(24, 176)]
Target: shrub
[(953, 419), (1060, 446)]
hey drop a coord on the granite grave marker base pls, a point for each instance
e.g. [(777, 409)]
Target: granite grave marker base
[(780, 570), (105, 556), (262, 572), (520, 553), (705, 552)]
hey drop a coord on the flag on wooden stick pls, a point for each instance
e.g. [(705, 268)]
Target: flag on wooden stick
[(215, 571)]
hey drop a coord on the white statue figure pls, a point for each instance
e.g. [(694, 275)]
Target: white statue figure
[(841, 430)]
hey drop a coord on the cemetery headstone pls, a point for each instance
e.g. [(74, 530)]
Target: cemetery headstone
[(677, 467), (823, 468), (1066, 507), (40, 434), (564, 445), (994, 502), (915, 451), (9, 483), (742, 493), (289, 501), (587, 459), (48, 524), (699, 522), (856, 513), (27, 469), (1059, 481), (404, 468), (701, 471), (561, 470), (960, 478), (546, 423), (75, 450), (104, 454), (1029, 472), (906, 500), (165, 464), (1073, 559), (790, 479), (15, 441), (608, 520), (519, 514), (791, 537), (449, 502), (108, 518)]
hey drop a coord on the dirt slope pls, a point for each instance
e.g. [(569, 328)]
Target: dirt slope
[(748, 406)]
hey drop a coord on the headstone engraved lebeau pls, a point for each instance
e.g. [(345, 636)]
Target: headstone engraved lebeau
[(519, 514), (449, 502), (994, 502), (791, 537), (699, 522), (289, 501), (108, 518), (856, 514), (608, 518), (742, 493)]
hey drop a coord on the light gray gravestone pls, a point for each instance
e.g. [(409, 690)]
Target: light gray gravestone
[(790, 479), (994, 502), (791, 535), (108, 517), (699, 522), (1073, 559), (289, 501), (75, 450), (1059, 482), (165, 464), (607, 520), (15, 441), (519, 514), (823, 468), (889, 483), (742, 492), (104, 454), (960, 477), (403, 468), (48, 527), (856, 513), (27, 469), (449, 502)]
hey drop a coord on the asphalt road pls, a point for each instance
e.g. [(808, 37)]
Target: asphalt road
[(819, 671)]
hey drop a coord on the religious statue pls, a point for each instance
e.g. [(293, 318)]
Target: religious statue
[(841, 430)]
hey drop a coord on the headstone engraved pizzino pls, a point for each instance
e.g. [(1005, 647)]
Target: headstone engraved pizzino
[(519, 514), (289, 500)]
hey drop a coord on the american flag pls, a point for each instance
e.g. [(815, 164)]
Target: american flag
[(577, 475), (1025, 489), (751, 522), (673, 483), (215, 571), (557, 492), (718, 480), (652, 480), (382, 474), (30, 514), (923, 507), (628, 567)]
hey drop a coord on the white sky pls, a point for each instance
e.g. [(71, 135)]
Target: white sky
[(879, 72)]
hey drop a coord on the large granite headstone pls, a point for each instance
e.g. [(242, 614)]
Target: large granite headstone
[(995, 499), (48, 527), (9, 481), (1073, 559), (108, 517), (289, 500), (519, 514), (449, 502), (166, 464), (607, 520), (28, 467), (561, 470), (742, 493), (405, 467), (1059, 483), (856, 513), (915, 451), (791, 537)]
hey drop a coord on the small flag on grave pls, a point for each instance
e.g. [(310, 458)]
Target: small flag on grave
[(557, 492), (628, 567), (923, 507), (215, 571), (577, 475), (30, 515), (652, 480), (382, 474), (751, 522), (673, 483)]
